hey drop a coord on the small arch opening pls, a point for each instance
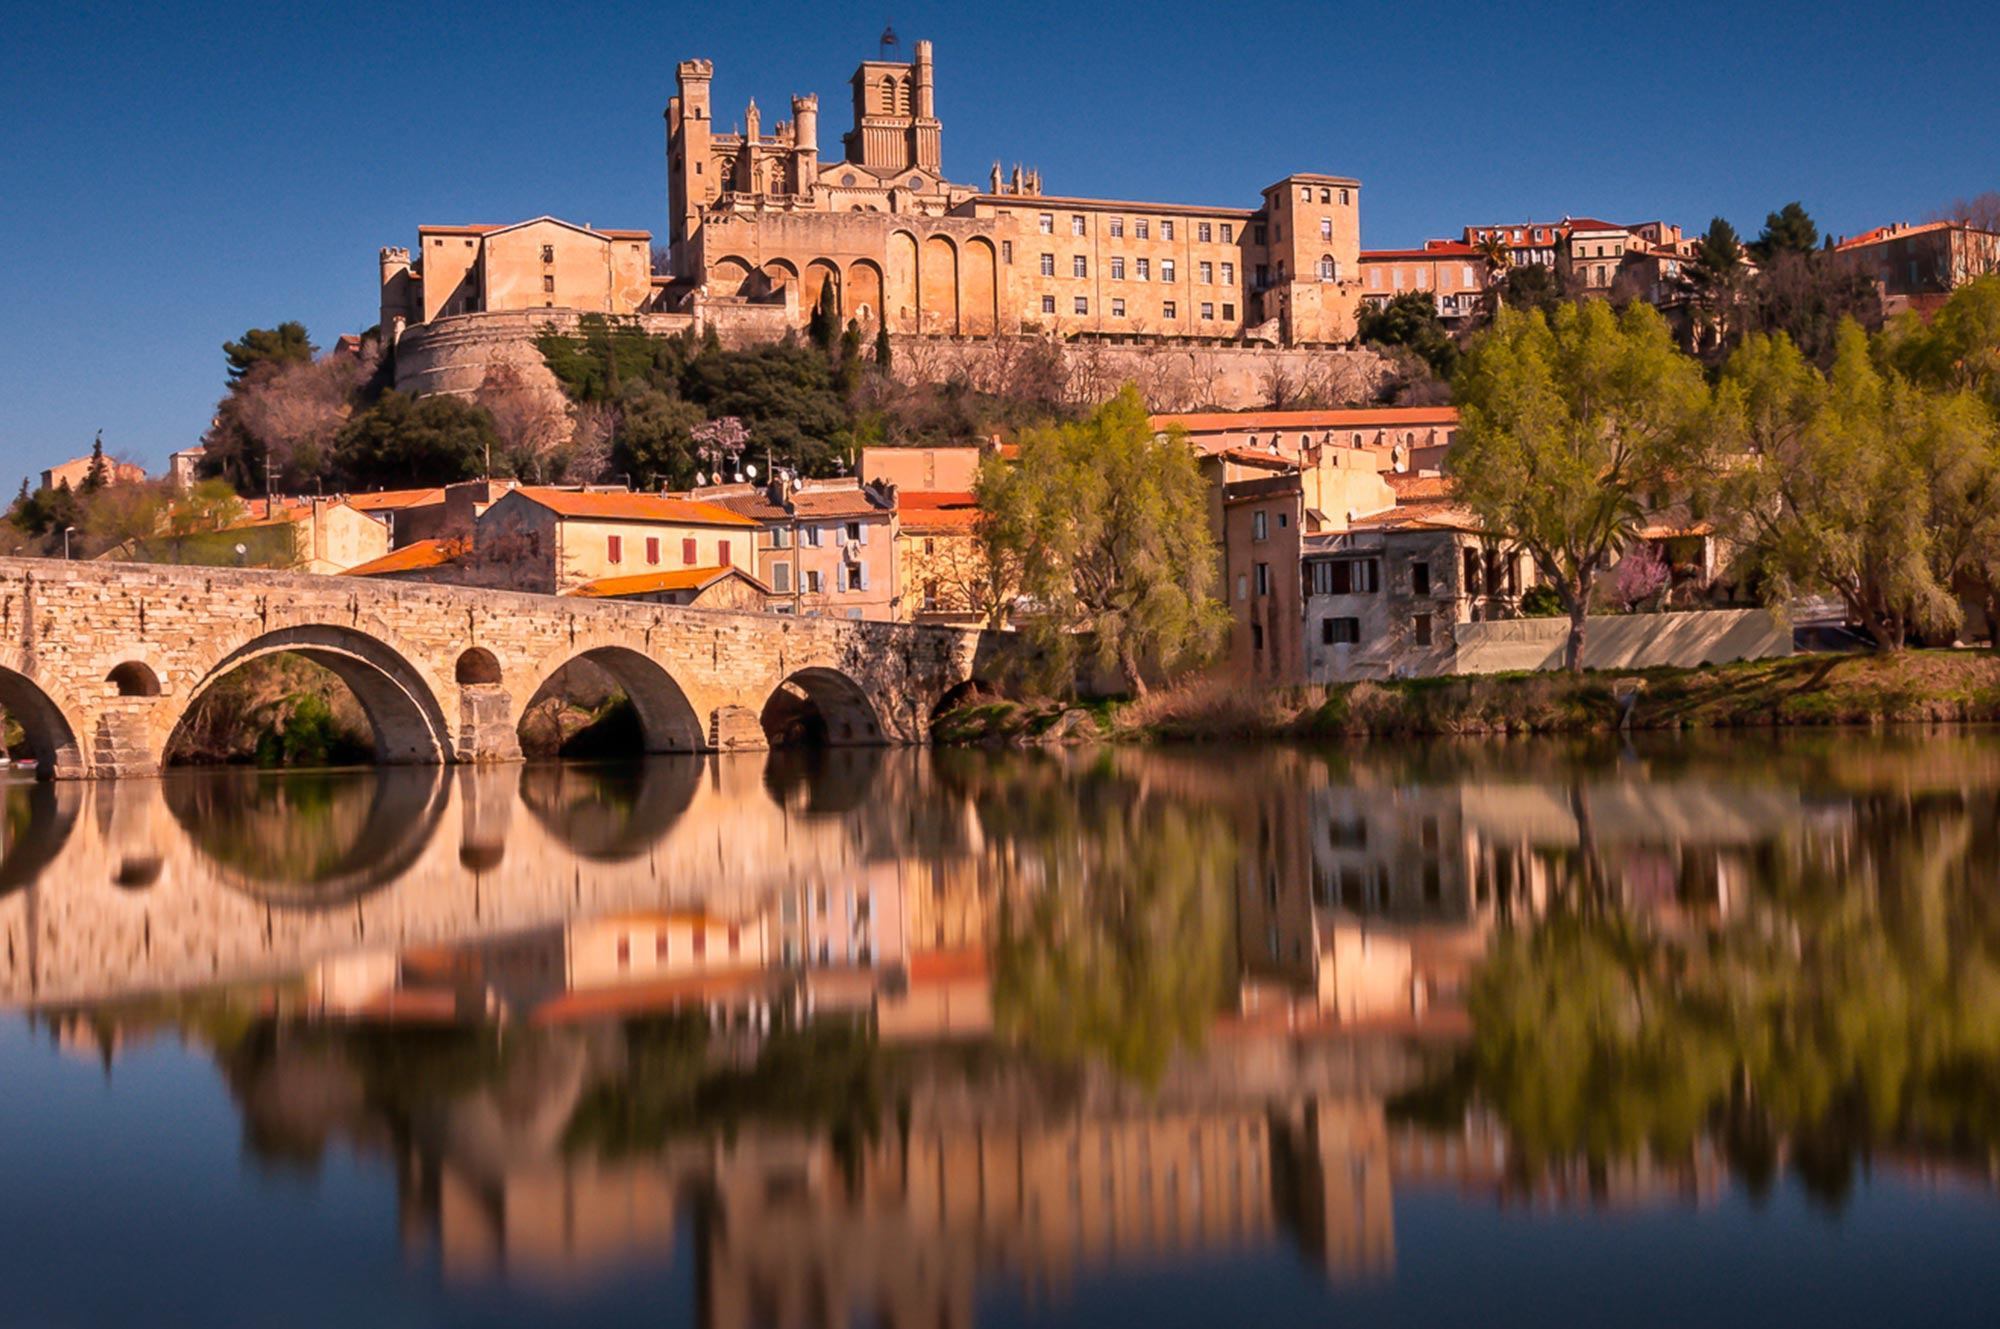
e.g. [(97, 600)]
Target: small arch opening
[(820, 708), (134, 679), (477, 667), (606, 703), (137, 873)]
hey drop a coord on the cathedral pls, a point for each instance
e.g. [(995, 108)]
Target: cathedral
[(762, 229), (882, 235)]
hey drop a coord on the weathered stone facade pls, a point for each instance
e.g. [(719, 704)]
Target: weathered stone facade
[(99, 661)]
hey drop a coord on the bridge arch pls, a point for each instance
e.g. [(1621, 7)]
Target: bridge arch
[(51, 735), (401, 704), (819, 705), (667, 719)]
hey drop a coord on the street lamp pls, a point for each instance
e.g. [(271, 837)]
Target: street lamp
[(68, 531)]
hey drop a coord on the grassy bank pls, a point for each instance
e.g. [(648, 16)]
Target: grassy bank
[(1907, 687)]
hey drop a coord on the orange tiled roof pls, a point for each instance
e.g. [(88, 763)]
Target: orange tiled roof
[(1358, 417), (936, 498), (1416, 488), (412, 557), (1882, 233), (1432, 249), (648, 583), (387, 500), (1430, 515), (623, 506)]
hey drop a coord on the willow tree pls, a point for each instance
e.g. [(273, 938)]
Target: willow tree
[(1107, 523), (1861, 483), (1571, 426)]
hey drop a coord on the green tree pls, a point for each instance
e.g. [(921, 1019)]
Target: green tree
[(652, 441), (1533, 286), (823, 327), (1411, 320), (1568, 427), (99, 474), (283, 345), (1857, 483), (783, 391), (882, 353), (401, 441), (1108, 524), (1715, 279), (1789, 230)]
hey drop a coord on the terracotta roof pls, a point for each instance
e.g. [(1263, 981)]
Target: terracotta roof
[(412, 557), (1882, 233), (1416, 488), (387, 500), (623, 506), (1431, 515), (907, 499), (648, 583), (941, 521), (810, 501), (1257, 457), (1592, 224), (1356, 417), (1432, 249)]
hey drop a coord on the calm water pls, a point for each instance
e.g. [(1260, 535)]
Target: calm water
[(1698, 1032)]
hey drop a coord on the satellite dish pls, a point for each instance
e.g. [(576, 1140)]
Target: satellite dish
[(739, 477), (751, 470), (700, 479)]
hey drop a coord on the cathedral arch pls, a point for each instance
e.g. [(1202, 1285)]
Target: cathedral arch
[(938, 277), (982, 285), (899, 284)]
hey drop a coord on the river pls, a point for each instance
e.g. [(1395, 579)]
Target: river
[(1700, 1029)]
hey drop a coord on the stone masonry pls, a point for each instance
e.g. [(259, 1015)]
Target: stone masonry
[(99, 661)]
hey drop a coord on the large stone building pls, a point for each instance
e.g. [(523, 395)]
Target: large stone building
[(753, 214), (761, 228)]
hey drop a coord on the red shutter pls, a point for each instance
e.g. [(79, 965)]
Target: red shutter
[(722, 553), (687, 552), (652, 549), (614, 548)]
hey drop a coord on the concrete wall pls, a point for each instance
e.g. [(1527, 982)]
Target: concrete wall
[(1624, 641)]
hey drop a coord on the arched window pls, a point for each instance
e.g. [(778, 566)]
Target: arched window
[(1326, 267), (888, 93)]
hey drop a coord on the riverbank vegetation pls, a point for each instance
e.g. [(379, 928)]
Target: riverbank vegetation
[(1905, 687)]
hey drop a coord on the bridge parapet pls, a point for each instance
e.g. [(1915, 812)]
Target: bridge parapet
[(100, 662)]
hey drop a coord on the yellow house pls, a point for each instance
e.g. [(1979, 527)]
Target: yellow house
[(552, 540), (322, 535)]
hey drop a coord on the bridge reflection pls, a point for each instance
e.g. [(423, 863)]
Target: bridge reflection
[(880, 1029)]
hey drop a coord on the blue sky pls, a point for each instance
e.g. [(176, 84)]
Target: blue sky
[(174, 174)]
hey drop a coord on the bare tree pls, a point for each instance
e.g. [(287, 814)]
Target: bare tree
[(1981, 211), (532, 422), (294, 410)]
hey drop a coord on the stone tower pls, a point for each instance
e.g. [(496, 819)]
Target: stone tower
[(895, 115), (690, 129)]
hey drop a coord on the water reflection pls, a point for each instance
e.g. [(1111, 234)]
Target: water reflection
[(879, 1029)]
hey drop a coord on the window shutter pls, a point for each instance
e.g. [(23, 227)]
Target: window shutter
[(864, 566), (864, 537)]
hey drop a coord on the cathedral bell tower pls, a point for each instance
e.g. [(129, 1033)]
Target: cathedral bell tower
[(895, 116)]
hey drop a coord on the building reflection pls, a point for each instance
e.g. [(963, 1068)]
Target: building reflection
[(858, 1030)]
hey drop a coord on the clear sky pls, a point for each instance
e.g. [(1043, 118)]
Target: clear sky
[(173, 174)]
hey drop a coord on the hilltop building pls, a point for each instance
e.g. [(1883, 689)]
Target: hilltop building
[(761, 228)]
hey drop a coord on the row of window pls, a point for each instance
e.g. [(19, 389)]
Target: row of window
[(1142, 269), (614, 551), (1326, 194), (1422, 278), (1169, 309), (851, 577), (813, 536), (1347, 631), (1142, 228)]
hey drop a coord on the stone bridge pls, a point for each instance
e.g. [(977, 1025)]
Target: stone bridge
[(100, 661)]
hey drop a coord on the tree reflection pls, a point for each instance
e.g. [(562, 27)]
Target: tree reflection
[(1116, 944), (1852, 1004)]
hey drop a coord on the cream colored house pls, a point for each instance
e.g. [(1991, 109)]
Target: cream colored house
[(552, 540), (301, 535)]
